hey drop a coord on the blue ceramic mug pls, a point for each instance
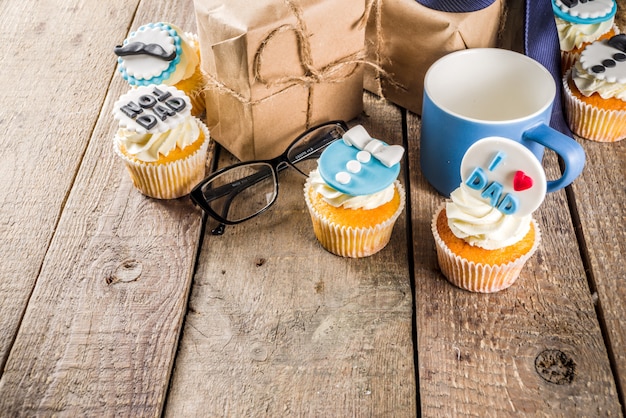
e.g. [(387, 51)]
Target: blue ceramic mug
[(482, 92)]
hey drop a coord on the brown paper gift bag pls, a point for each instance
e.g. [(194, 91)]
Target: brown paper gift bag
[(404, 38), (277, 67)]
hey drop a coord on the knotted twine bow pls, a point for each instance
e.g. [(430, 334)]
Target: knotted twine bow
[(335, 72)]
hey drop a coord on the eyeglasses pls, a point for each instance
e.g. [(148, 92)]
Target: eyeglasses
[(242, 191)]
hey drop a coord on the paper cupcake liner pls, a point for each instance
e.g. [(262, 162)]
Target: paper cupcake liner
[(590, 122), (479, 277), (350, 241), (568, 59), (173, 179)]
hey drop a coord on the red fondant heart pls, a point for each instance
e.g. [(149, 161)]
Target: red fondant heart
[(521, 181)]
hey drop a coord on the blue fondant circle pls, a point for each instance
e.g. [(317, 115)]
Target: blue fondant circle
[(373, 177)]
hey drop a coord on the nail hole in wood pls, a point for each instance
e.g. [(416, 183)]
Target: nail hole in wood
[(127, 271)]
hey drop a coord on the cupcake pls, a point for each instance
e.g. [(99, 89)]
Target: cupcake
[(354, 197), (484, 234), (161, 53), (163, 146), (580, 23), (595, 91)]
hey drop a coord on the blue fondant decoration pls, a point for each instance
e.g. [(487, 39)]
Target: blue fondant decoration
[(477, 180), (493, 193), (373, 177)]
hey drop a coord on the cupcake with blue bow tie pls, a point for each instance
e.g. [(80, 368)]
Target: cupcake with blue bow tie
[(354, 197)]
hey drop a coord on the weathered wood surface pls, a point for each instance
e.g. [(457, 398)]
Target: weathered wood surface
[(277, 326), (485, 351), (600, 216), (109, 269), (55, 77), (108, 308)]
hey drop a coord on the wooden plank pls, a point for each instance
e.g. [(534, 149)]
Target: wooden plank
[(54, 80), (279, 327), (480, 354), (102, 326), (599, 195)]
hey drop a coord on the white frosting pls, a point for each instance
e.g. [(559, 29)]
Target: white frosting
[(482, 225), (574, 35), (149, 147), (611, 82), (338, 199)]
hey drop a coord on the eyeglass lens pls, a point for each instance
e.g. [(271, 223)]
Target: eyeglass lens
[(245, 190), (242, 191)]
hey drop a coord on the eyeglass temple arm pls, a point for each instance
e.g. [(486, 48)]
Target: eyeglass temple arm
[(241, 184), (235, 187)]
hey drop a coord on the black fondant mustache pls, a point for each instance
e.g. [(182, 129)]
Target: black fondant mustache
[(618, 42), (139, 48)]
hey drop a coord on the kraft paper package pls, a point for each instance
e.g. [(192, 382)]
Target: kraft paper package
[(404, 38), (277, 67)]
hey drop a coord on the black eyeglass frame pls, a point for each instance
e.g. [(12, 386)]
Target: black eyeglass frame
[(276, 165)]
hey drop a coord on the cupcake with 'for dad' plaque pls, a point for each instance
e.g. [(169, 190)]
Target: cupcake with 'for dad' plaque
[(581, 22), (354, 197), (595, 91), (161, 53), (163, 146), (485, 233)]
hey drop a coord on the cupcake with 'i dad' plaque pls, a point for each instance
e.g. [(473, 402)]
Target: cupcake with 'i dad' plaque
[(354, 197), (484, 234)]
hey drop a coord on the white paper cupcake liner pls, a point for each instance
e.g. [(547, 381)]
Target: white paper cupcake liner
[(349, 241), (478, 277), (590, 122), (173, 179)]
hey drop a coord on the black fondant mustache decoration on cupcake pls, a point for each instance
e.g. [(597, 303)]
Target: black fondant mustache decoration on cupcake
[(573, 3), (139, 48), (618, 42)]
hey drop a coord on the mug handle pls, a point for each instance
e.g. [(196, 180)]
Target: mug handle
[(567, 148)]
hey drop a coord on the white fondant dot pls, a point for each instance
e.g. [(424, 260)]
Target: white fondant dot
[(343, 177), (353, 166), (363, 156)]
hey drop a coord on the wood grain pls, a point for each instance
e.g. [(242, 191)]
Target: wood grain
[(277, 326), (100, 332), (598, 204), (598, 197), (477, 353), (49, 109)]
